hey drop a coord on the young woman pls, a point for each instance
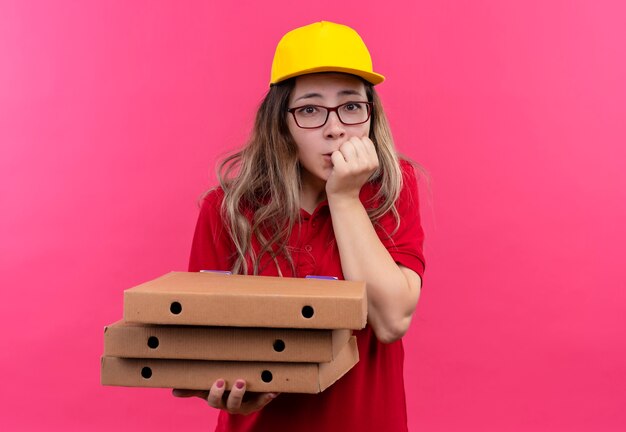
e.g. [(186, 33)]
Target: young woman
[(320, 190)]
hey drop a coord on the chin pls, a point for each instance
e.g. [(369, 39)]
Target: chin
[(322, 177), (326, 174)]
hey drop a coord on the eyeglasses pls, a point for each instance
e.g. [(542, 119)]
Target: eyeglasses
[(315, 116)]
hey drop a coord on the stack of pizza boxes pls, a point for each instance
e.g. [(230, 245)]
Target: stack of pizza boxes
[(186, 330)]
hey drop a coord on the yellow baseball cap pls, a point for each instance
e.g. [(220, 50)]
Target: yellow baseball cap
[(322, 47)]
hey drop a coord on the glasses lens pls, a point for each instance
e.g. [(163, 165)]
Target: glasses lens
[(311, 116), (353, 112)]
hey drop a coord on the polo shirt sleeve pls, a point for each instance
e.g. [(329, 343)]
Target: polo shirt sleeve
[(405, 245), (212, 248)]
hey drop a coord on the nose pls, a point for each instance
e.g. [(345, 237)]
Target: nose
[(333, 127)]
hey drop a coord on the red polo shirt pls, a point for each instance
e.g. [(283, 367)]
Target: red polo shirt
[(370, 397)]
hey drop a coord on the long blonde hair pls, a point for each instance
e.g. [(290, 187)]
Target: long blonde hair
[(261, 182)]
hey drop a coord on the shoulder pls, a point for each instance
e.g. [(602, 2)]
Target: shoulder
[(407, 169), (409, 194), (211, 203), (213, 197)]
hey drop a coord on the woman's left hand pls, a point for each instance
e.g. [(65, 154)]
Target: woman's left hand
[(353, 164)]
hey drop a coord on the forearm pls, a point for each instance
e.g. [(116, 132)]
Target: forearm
[(392, 291)]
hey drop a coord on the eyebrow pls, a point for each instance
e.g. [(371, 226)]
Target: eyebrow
[(341, 93)]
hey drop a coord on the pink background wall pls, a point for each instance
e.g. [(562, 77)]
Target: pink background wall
[(110, 127)]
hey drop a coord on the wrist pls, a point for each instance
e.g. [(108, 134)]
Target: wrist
[(344, 201)]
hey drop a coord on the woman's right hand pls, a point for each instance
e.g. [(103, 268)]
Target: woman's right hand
[(235, 402)]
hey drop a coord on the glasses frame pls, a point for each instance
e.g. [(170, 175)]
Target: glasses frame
[(370, 107)]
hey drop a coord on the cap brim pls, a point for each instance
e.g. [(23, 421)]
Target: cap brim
[(370, 77)]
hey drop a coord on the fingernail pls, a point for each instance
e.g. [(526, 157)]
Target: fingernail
[(239, 384), (219, 383)]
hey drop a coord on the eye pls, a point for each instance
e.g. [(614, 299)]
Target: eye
[(307, 110), (353, 106)]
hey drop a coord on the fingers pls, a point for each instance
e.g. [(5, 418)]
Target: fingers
[(233, 403), (214, 397), (353, 164), (256, 402), (338, 160), (355, 157), (360, 152), (236, 404), (266, 398), (350, 149)]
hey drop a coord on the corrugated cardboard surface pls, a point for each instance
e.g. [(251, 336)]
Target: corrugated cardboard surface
[(134, 340), (211, 299), (200, 375)]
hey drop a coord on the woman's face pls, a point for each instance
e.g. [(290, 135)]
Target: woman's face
[(316, 145)]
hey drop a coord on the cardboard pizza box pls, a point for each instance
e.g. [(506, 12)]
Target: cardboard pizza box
[(210, 299), (200, 374), (134, 340)]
